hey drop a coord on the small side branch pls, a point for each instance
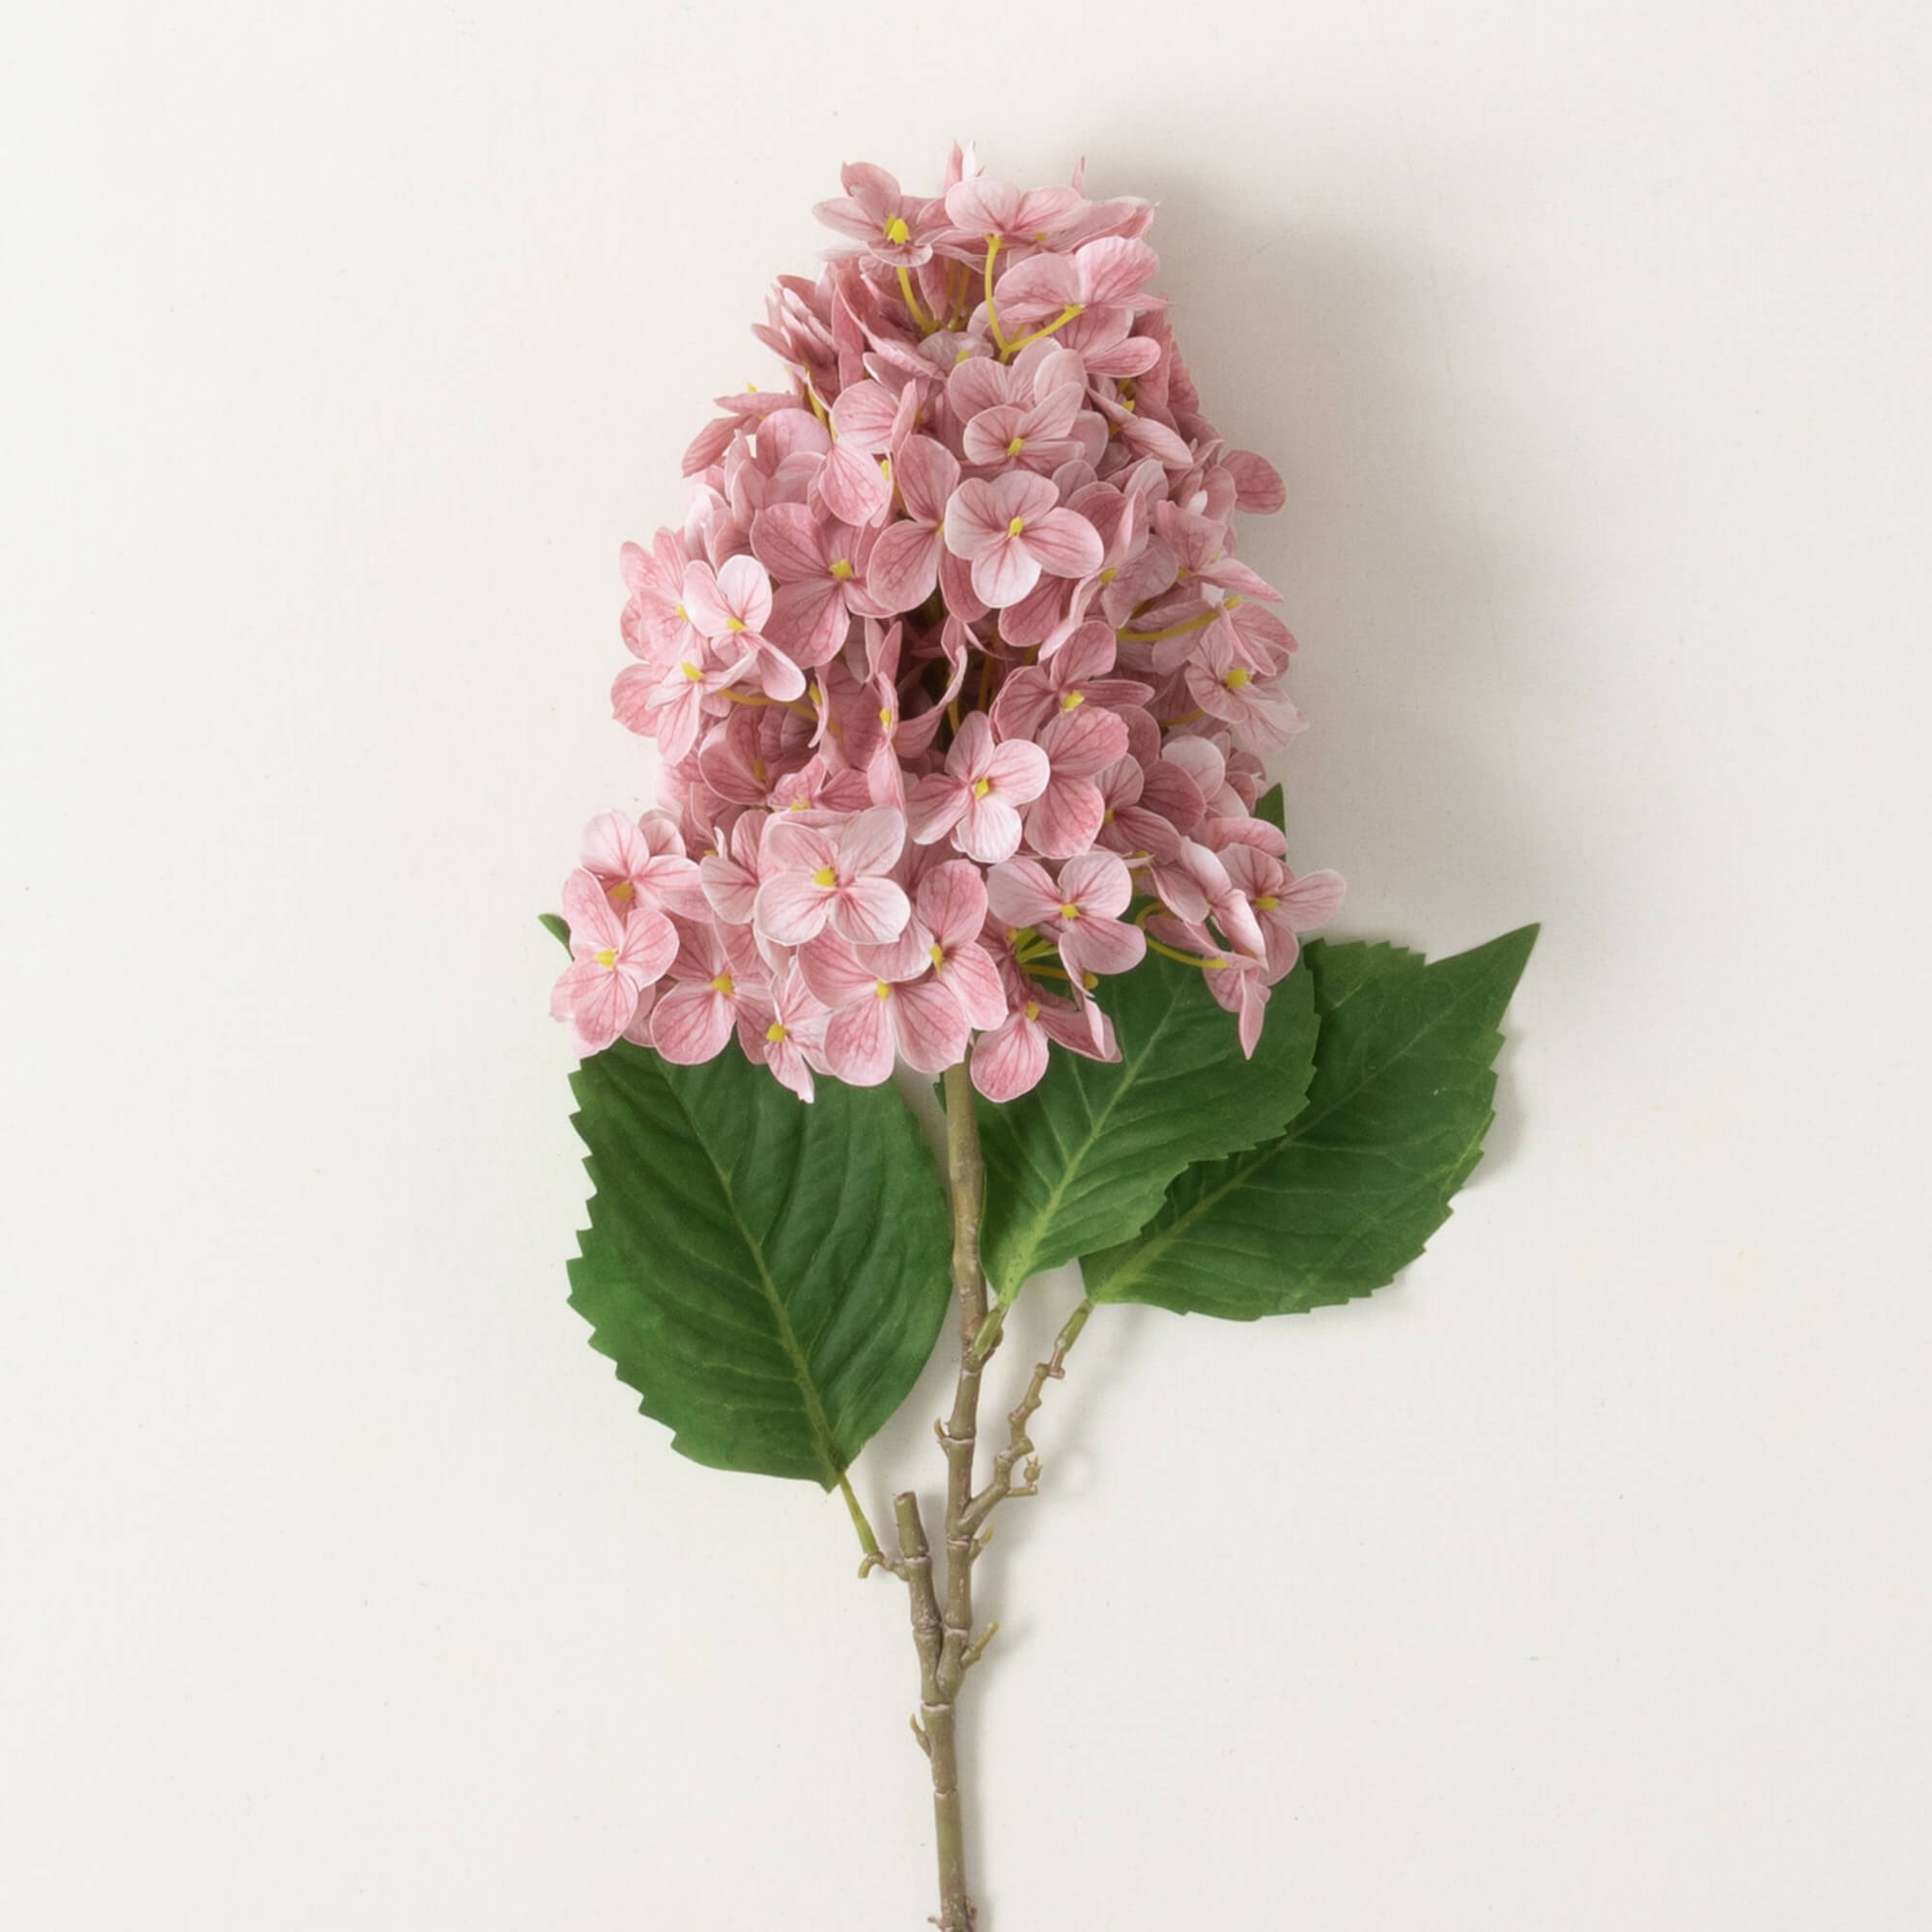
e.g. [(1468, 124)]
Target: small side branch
[(1019, 1450)]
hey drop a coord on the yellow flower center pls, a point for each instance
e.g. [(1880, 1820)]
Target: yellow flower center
[(938, 958), (1017, 444), (1033, 1010), (1090, 981), (1266, 902), (1070, 910), (684, 613), (825, 876), (1237, 678), (882, 990), (692, 672), (734, 623), (723, 984), (981, 787), (1111, 572), (622, 890), (1072, 699), (607, 958), (842, 569), (897, 231), (1015, 528), (776, 1031), (885, 715)]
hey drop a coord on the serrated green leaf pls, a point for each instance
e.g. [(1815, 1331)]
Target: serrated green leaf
[(556, 927), (1084, 1159), (769, 1276), (1273, 806), (1345, 1199)]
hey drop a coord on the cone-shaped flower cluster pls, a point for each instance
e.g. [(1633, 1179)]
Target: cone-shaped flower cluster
[(960, 690)]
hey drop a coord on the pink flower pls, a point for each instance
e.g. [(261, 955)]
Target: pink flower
[(892, 227), (1010, 1060), (976, 797), (986, 207), (785, 1029), (709, 991), (949, 911), (1284, 906), (1237, 980), (1079, 745), (852, 485), (730, 608), (906, 558), (819, 569), (809, 879), (615, 961), (1071, 673), (675, 710), (1077, 912), (880, 1010), (1112, 273), (641, 862), (1013, 528), (1262, 717)]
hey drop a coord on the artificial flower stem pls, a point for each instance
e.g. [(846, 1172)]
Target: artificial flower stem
[(942, 1627)]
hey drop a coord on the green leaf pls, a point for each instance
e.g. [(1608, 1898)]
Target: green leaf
[(556, 927), (1345, 1199), (770, 1277), (1083, 1159), (1272, 807)]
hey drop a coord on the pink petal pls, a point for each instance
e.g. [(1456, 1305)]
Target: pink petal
[(1009, 1062), (975, 981), (650, 945), (789, 909), (1103, 946), (871, 842), (1005, 571), (853, 487), (612, 845), (934, 807), (932, 1031), (703, 597), (988, 829), (1084, 742), (1114, 270), (1019, 769), (744, 586), (1020, 893), (927, 475), (784, 538), (811, 618), (858, 1042), (1066, 817), (871, 911), (1257, 484), (1314, 900), (1098, 883), (691, 1023), (864, 415), (1064, 544), (974, 520), (904, 566), (834, 973), (594, 923), (953, 902)]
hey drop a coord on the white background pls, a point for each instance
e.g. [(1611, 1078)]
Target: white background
[(1579, 1582)]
